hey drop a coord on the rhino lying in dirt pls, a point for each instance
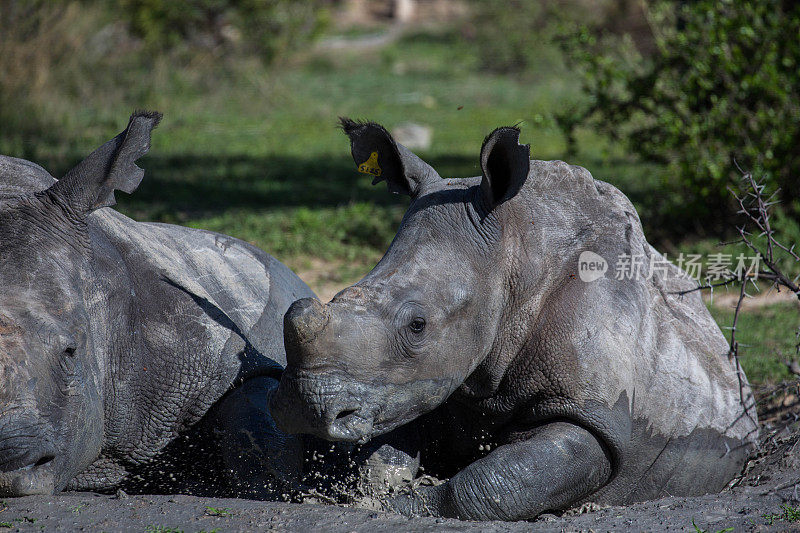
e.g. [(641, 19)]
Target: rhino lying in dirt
[(528, 387), (115, 336)]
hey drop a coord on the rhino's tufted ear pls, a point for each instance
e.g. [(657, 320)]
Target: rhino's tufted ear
[(505, 164), (91, 183), (376, 153)]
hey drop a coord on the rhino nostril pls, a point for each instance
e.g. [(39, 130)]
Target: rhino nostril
[(44, 460), (27, 462), (346, 413)]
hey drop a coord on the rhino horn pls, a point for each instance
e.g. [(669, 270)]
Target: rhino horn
[(304, 320)]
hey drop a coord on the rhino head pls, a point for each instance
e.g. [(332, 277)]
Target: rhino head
[(400, 341), (51, 361)]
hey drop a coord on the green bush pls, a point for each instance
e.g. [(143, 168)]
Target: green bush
[(723, 84), (269, 28)]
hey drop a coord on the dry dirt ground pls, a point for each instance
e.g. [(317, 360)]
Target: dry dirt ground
[(728, 300), (764, 499)]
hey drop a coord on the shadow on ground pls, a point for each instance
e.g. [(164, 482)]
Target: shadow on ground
[(178, 188), (200, 185)]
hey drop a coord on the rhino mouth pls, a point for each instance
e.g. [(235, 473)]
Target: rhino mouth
[(332, 406), (350, 425), (321, 405), (35, 478)]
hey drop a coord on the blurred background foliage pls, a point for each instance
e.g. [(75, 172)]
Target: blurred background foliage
[(657, 97), (722, 83), (269, 29)]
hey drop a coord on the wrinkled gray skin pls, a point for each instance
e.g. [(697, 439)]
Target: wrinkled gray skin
[(117, 335), (530, 389)]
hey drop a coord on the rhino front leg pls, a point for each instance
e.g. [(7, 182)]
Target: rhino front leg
[(559, 465), (260, 460)]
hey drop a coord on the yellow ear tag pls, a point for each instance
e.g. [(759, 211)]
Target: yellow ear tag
[(370, 166)]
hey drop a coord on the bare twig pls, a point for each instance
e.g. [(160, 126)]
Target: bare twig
[(729, 280), (756, 210)]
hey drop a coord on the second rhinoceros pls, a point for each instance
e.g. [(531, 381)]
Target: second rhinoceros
[(536, 375), (118, 336)]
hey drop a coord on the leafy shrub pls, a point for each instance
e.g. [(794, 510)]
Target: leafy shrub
[(723, 82), (516, 36), (266, 27)]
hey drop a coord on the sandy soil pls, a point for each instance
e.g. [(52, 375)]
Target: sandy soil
[(323, 277), (728, 299)]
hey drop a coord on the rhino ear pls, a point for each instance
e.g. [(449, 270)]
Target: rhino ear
[(91, 183), (505, 164), (376, 153)]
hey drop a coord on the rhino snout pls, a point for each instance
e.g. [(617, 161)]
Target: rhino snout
[(26, 459), (321, 406)]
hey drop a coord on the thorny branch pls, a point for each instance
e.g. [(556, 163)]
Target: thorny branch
[(756, 211)]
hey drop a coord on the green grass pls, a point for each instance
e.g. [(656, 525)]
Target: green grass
[(218, 511), (766, 337), (14, 522), (698, 529), (787, 514), (353, 232)]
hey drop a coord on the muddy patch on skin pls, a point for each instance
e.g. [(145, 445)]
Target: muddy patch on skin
[(7, 327)]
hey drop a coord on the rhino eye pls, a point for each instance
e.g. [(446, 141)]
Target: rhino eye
[(417, 325), (70, 351)]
